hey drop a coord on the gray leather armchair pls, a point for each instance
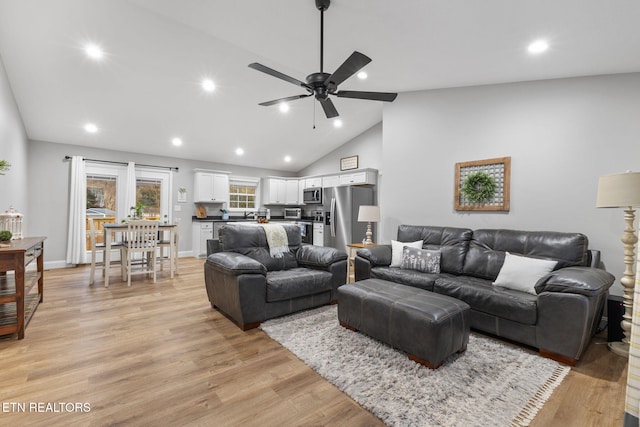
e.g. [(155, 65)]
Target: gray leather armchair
[(248, 285)]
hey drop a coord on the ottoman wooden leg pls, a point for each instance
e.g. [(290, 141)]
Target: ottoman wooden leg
[(424, 362), (344, 325)]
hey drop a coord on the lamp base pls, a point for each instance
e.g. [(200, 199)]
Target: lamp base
[(620, 348), (368, 235)]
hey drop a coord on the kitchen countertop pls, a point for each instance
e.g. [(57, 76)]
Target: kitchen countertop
[(242, 219)]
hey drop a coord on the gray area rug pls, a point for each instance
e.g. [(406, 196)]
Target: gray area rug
[(490, 384)]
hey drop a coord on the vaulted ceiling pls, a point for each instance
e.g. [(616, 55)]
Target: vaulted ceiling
[(147, 88)]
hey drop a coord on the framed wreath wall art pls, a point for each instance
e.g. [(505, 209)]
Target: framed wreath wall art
[(483, 185)]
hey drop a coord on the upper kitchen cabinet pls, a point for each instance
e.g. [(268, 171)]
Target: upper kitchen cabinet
[(313, 182), (330, 181), (292, 195), (280, 191), (211, 187), (358, 178)]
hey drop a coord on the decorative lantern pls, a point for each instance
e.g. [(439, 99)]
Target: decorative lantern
[(12, 220)]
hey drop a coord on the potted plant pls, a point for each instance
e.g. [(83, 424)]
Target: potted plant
[(4, 166), (5, 238), (137, 212)]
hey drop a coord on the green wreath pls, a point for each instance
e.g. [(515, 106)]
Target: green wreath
[(479, 187)]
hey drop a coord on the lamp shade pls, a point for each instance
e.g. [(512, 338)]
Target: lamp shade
[(619, 190), (369, 213)]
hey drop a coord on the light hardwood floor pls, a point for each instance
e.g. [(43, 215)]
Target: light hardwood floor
[(159, 355)]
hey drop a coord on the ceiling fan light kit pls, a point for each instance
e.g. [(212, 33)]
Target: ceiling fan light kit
[(321, 84)]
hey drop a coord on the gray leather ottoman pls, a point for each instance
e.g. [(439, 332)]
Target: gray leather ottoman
[(428, 326)]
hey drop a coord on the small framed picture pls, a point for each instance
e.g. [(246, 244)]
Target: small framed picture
[(347, 163)]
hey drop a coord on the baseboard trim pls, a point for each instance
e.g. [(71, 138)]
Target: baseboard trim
[(51, 265)]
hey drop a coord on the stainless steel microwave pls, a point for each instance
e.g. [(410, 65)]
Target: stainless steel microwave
[(292, 213), (312, 196)]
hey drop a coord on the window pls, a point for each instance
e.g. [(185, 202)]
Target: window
[(102, 195), (148, 192), (243, 194), (106, 195)]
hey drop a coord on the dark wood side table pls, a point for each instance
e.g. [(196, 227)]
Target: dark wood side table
[(353, 248), (22, 291)]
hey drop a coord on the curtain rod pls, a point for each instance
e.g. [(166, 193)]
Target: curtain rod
[(173, 168)]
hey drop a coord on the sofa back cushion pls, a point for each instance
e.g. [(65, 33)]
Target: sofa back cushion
[(452, 242), (251, 240), (487, 249)]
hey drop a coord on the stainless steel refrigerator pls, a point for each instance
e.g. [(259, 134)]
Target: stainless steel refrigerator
[(341, 205)]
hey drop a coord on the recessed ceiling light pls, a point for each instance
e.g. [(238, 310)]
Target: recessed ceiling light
[(538, 46), (176, 141), (287, 159), (337, 123), (94, 51), (208, 85), (284, 107), (91, 128), (239, 151), (362, 75)]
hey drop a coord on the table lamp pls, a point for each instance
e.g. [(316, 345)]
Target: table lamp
[(622, 190), (369, 214)]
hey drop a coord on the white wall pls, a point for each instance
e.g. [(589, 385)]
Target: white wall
[(561, 136), (367, 146), (13, 148), (49, 189)]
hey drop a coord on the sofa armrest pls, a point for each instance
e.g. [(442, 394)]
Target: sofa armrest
[(376, 255), (235, 264), (577, 280), (319, 256)]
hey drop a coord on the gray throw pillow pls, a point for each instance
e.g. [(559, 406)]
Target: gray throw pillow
[(425, 260)]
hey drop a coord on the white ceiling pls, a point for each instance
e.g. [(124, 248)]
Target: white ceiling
[(147, 90)]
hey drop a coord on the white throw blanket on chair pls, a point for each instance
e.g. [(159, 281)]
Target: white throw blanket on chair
[(277, 239)]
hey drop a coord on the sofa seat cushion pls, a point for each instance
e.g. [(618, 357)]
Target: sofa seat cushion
[(296, 282), (482, 296), (416, 279)]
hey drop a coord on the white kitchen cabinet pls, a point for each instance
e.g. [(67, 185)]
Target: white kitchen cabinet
[(274, 191), (313, 182), (202, 231), (330, 181), (357, 178), (280, 191), (318, 234), (291, 192), (211, 187)]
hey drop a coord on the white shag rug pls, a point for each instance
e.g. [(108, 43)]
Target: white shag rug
[(490, 384)]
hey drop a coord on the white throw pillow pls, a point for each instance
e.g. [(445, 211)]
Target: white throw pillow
[(396, 251), (521, 273)]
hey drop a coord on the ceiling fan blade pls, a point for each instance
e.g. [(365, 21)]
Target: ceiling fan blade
[(374, 96), (278, 74), (348, 68), (329, 109), (288, 98)]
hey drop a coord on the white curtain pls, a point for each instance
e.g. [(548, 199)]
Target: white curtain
[(76, 239), (632, 403), (130, 192)]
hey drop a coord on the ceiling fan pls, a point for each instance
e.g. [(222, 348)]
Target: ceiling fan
[(322, 84)]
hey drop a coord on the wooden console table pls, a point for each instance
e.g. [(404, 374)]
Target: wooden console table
[(19, 295)]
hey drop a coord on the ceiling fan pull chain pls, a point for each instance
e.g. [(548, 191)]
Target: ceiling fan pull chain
[(314, 115)]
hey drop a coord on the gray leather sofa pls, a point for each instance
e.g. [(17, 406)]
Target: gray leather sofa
[(560, 320), (248, 285)]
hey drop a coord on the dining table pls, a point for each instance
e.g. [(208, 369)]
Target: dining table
[(164, 230)]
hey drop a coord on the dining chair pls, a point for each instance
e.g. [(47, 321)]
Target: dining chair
[(139, 246), (98, 247), (172, 245)]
